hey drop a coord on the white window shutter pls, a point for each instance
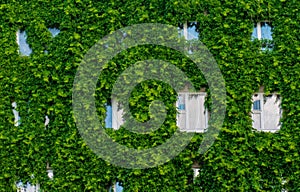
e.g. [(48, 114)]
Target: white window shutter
[(193, 116), (267, 118), (272, 113), (196, 113)]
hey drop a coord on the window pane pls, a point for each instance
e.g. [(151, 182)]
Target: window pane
[(16, 114), (119, 188), (54, 31), (181, 102), (193, 32), (256, 105), (254, 32), (108, 118), (266, 32), (22, 42)]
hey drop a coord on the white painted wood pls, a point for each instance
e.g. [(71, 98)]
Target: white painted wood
[(194, 116), (258, 30), (268, 118), (185, 31)]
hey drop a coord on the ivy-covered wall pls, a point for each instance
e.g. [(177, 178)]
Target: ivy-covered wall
[(41, 84)]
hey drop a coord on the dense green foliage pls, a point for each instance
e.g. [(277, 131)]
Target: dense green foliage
[(240, 159)]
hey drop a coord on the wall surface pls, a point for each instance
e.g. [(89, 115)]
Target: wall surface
[(241, 159)]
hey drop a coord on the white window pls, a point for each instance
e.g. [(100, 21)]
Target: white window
[(192, 115), (266, 112), (263, 31), (188, 30), (24, 47), (114, 115)]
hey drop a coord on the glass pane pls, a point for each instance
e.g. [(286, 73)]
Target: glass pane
[(119, 188), (192, 30), (272, 113), (266, 30), (54, 31), (181, 102), (254, 32), (22, 42), (256, 105), (108, 118)]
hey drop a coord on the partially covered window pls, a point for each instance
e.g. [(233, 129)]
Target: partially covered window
[(17, 118), (188, 30), (27, 187), (263, 32), (54, 31), (192, 115), (266, 112), (116, 188), (114, 115), (24, 47)]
